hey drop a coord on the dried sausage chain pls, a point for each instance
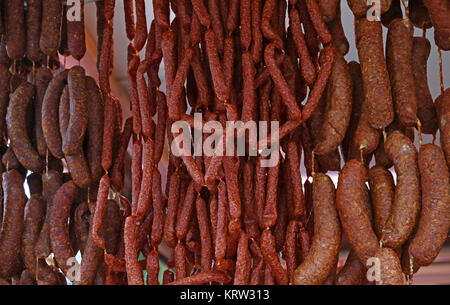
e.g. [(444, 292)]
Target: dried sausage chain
[(224, 219)]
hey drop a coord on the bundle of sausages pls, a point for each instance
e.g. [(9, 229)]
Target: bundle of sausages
[(226, 219)]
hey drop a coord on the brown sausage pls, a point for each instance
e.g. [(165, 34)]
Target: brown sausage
[(205, 234), (108, 133), (307, 67), (330, 161), (399, 46), (348, 148), (50, 124), (51, 182), (13, 221), (326, 242), (360, 7), (94, 131), (75, 32), (172, 204), (91, 257), (158, 210), (338, 109), (353, 214), (243, 261), (134, 272), (16, 122), (78, 111), (15, 29), (43, 77), (382, 193), (33, 30), (426, 111), (289, 100), (353, 272), (34, 218), (390, 267), (59, 230), (141, 25), (145, 193), (271, 258), (77, 163), (296, 184), (203, 278), (221, 229), (52, 11), (434, 218), (117, 178), (366, 138), (406, 205), (377, 88)]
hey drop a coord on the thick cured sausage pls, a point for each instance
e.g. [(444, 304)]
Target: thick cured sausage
[(350, 201), (382, 193), (399, 46), (353, 272), (43, 77), (94, 130), (75, 30), (52, 11), (77, 163), (390, 267), (434, 218), (360, 7), (51, 182), (59, 229), (338, 109), (406, 206), (377, 88), (34, 212), (12, 226), (15, 29), (33, 29), (50, 123), (17, 131), (91, 257), (326, 242), (360, 134), (78, 111)]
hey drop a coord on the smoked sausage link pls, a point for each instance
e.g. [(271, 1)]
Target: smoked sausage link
[(355, 220), (434, 218), (406, 206), (326, 242)]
